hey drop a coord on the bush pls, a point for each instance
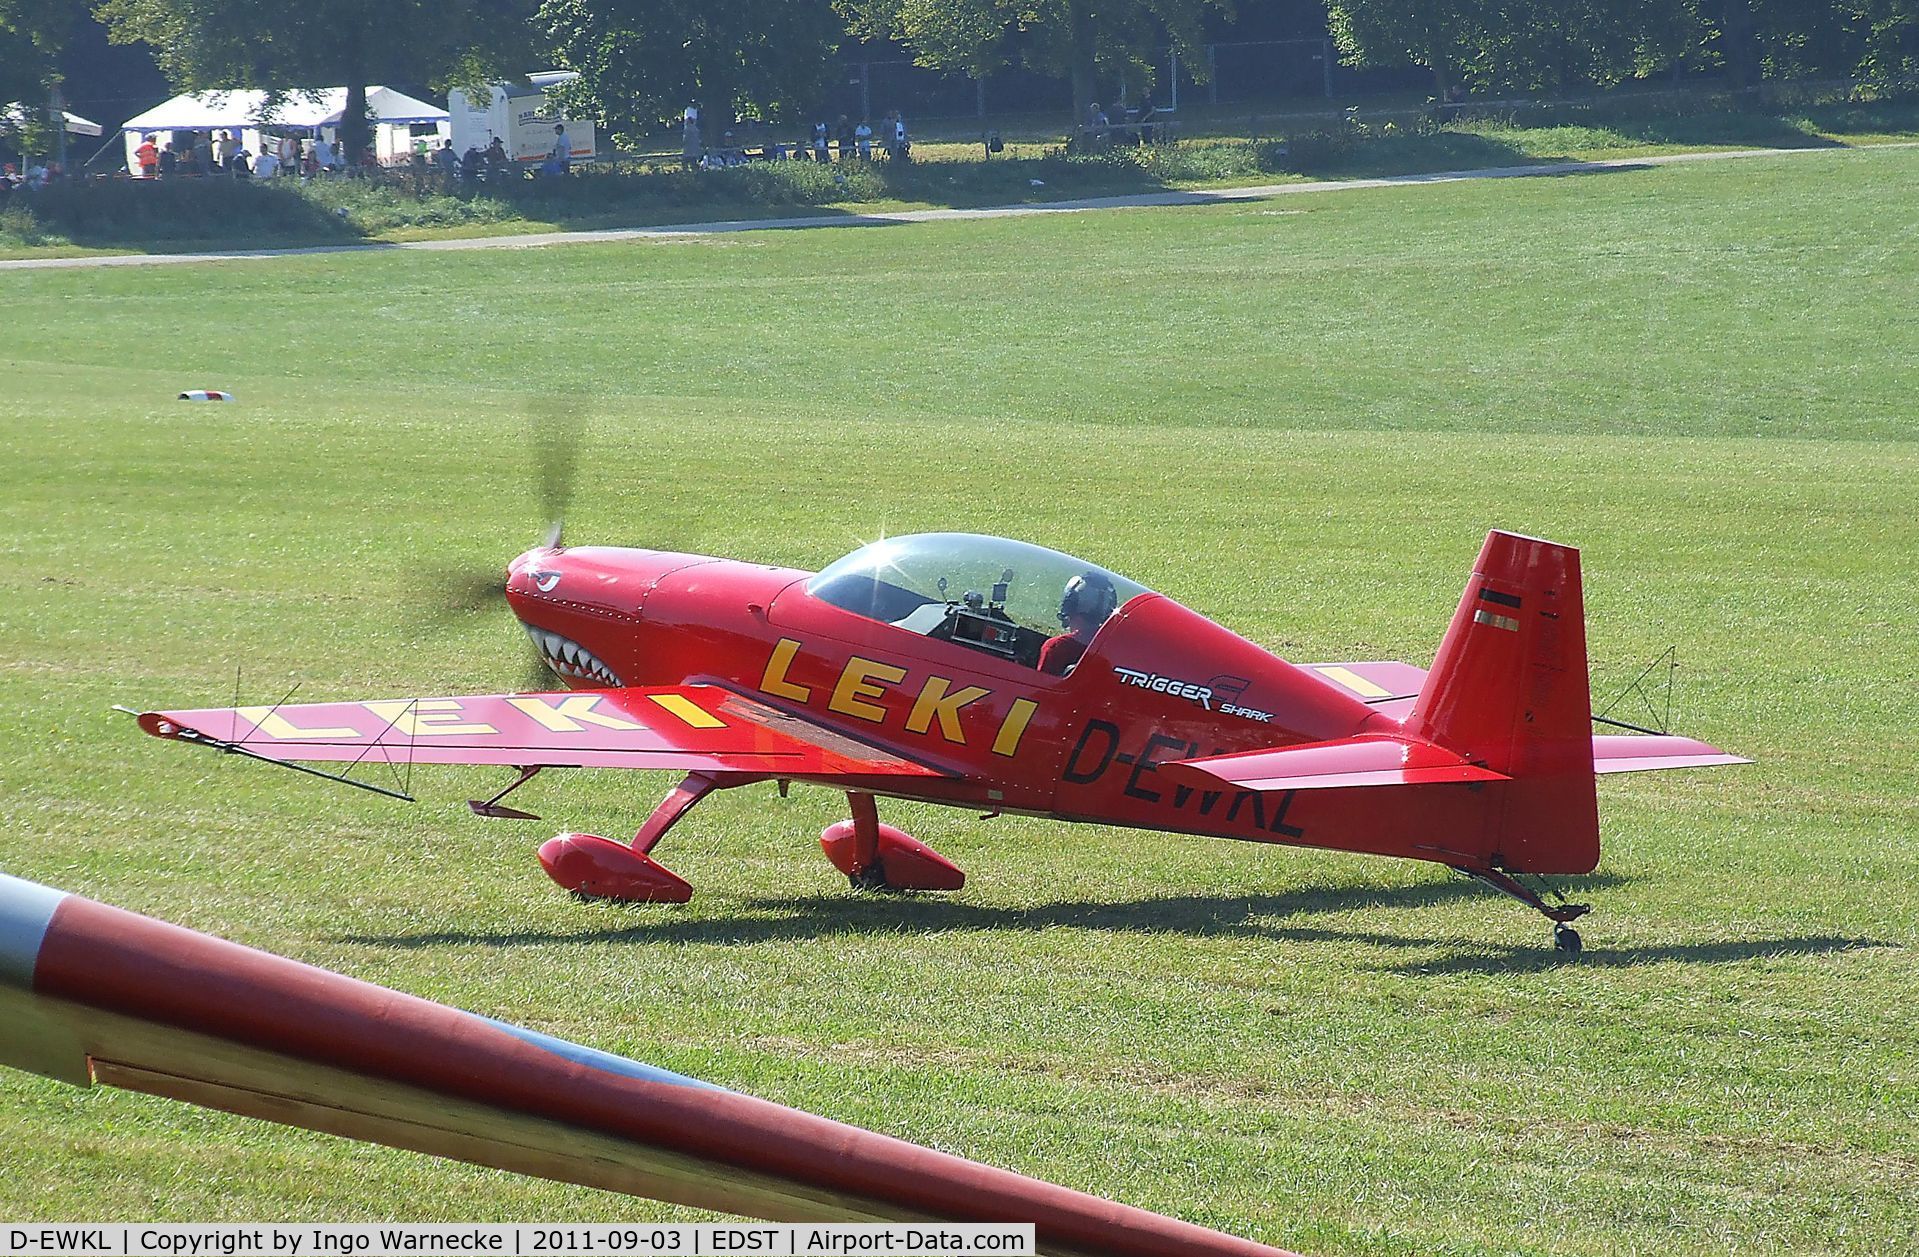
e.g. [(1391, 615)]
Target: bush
[(1311, 152), (1194, 162), (176, 211)]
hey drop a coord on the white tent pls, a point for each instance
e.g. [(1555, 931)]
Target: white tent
[(18, 115), (314, 110)]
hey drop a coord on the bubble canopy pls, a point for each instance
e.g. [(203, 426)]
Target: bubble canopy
[(913, 581)]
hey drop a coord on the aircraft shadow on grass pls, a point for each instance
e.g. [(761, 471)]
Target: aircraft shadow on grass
[(1258, 916), (1506, 959), (801, 917)]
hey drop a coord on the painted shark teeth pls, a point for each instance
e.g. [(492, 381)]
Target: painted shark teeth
[(567, 658)]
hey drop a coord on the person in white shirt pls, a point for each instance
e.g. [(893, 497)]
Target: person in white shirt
[(267, 164), (863, 136), (322, 155), (560, 156), (690, 150)]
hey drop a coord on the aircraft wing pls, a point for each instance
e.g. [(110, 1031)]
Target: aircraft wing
[(689, 728), (91, 994)]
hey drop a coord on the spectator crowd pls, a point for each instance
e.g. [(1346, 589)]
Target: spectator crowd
[(819, 142), (223, 153)]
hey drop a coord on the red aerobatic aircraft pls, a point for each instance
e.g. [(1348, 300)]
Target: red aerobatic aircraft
[(999, 676)]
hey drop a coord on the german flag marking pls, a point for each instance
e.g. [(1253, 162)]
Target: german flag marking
[(1504, 600), (1353, 681), (1497, 621), (688, 711)]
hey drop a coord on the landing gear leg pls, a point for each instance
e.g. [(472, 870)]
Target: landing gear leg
[(865, 873), (1561, 913)]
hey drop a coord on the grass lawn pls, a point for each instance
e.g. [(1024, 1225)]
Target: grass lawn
[(1300, 419)]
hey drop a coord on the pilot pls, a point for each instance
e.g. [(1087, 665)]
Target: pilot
[(1089, 599)]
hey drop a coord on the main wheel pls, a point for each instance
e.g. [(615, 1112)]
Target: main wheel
[(1566, 939)]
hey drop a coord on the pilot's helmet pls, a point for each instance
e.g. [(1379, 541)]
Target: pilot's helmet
[(1090, 594)]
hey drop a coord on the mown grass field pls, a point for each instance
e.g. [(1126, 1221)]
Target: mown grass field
[(1300, 418)]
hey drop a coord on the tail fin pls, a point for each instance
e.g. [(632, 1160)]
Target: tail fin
[(1508, 691)]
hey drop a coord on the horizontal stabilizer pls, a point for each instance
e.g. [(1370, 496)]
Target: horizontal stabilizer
[(1367, 760), (1634, 753), (1375, 681)]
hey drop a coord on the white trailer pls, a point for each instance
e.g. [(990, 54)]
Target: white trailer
[(521, 116)]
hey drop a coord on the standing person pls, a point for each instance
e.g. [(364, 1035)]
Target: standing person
[(202, 156), (496, 161), (322, 154), (448, 160), (902, 151), (289, 155), (223, 147), (863, 136), (559, 158), (237, 165), (147, 157), (690, 136), (267, 164), (844, 134), (470, 165), (169, 161), (820, 152)]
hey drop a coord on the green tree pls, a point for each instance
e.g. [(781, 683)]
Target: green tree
[(31, 35), (1876, 40), (641, 61), (1519, 45), (1083, 40), (283, 47), (1891, 53), (1442, 37)]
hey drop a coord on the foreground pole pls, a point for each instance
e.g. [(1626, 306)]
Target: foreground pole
[(91, 994)]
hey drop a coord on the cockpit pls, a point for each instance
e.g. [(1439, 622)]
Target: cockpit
[(1000, 597)]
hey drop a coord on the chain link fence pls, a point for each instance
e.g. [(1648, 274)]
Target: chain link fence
[(1269, 71)]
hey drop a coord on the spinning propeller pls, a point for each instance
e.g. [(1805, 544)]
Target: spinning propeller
[(458, 593)]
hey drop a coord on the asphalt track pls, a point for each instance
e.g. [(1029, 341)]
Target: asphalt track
[(1207, 196)]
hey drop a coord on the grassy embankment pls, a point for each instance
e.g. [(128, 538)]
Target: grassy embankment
[(949, 171), (1300, 420)]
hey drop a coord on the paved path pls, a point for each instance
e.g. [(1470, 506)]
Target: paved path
[(1207, 196)]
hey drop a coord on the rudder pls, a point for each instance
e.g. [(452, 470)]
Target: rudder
[(1509, 690)]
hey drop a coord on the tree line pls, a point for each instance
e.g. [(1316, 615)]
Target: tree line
[(642, 61)]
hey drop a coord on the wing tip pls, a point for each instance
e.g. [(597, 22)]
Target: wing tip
[(158, 724)]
